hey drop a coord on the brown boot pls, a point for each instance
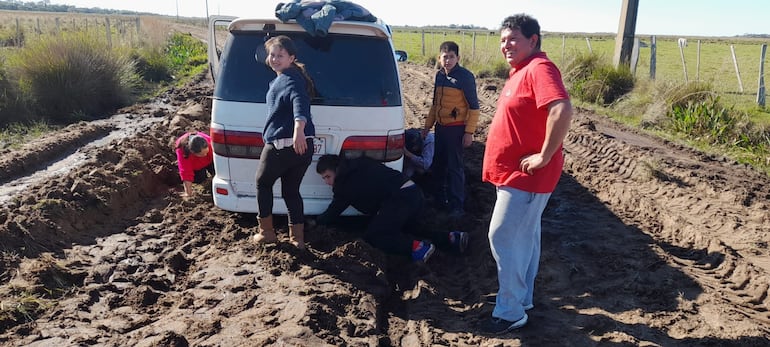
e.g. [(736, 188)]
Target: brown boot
[(297, 235), (266, 231)]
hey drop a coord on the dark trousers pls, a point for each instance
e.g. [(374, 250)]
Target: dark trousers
[(290, 168), (448, 166), (397, 224), (202, 174)]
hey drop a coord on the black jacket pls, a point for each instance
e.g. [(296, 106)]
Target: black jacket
[(363, 183)]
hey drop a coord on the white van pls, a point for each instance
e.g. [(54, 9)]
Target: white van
[(357, 109)]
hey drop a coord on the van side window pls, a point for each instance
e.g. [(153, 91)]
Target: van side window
[(346, 70)]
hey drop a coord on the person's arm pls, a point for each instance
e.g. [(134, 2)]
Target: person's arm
[(300, 145), (301, 107), (425, 159), (432, 117), (186, 173), (336, 207), (472, 120), (556, 127), (188, 191)]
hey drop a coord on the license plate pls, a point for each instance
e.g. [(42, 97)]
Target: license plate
[(319, 145)]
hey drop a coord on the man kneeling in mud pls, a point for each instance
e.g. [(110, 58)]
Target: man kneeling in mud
[(392, 200)]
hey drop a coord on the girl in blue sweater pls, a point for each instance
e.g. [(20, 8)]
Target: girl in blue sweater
[(288, 135)]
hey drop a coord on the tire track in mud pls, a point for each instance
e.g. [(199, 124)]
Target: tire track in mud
[(712, 235), (28, 157), (153, 269)]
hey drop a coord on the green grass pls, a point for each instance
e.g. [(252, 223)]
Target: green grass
[(480, 51), (16, 134), (59, 79), (713, 114)]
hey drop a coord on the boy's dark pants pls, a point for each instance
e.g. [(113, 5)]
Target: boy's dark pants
[(395, 225), (448, 167)]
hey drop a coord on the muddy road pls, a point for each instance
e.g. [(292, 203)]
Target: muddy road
[(645, 242)]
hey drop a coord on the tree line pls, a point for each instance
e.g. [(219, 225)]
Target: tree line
[(46, 6)]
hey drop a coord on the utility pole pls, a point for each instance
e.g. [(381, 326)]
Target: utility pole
[(177, 10), (624, 41), (207, 11)]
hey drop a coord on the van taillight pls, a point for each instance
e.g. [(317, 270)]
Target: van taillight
[(237, 144), (383, 148)]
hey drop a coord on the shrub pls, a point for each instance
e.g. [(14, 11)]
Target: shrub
[(592, 79), (152, 64), (11, 104), (708, 120), (74, 74), (185, 54), (497, 70)]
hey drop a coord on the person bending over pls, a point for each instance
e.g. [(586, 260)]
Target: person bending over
[(194, 158), (392, 200)]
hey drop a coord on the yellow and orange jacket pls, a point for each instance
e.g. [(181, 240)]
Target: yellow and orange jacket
[(454, 100)]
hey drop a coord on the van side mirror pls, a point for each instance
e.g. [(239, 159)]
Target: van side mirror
[(400, 55)]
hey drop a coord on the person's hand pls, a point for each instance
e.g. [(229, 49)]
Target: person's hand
[(188, 191), (187, 196), (532, 162), (467, 140), (300, 145)]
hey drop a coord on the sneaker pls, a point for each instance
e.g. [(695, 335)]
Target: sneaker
[(502, 326), (458, 240), (492, 300), (422, 251)]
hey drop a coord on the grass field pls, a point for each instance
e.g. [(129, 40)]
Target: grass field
[(480, 49)]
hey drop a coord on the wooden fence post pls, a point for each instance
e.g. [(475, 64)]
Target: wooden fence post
[(58, 26), (423, 42), (38, 31), (653, 59), (634, 56), (18, 33), (588, 42), (109, 32), (473, 53), (737, 71), (563, 47), (697, 64), (684, 64), (761, 91)]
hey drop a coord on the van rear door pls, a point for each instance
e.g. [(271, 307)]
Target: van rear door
[(217, 35)]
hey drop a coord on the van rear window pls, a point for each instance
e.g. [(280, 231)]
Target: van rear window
[(347, 70)]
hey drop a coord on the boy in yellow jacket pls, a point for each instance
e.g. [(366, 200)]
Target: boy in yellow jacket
[(455, 114)]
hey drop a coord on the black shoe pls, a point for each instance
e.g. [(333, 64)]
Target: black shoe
[(492, 300), (502, 326)]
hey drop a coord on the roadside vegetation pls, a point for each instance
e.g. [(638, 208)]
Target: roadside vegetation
[(698, 105), (56, 79)]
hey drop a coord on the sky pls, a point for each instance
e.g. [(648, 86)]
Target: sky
[(655, 17)]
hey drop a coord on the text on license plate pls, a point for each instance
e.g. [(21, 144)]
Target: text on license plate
[(319, 145)]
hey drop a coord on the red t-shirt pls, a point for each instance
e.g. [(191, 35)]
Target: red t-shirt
[(518, 128), (188, 166)]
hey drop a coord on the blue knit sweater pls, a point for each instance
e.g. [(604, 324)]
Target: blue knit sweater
[(287, 100)]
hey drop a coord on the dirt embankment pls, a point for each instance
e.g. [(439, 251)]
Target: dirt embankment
[(644, 243)]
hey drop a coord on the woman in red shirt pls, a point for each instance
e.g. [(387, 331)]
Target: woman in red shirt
[(194, 157)]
